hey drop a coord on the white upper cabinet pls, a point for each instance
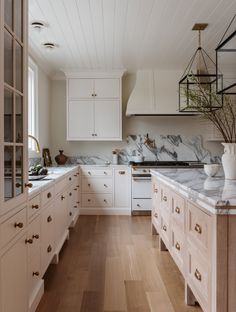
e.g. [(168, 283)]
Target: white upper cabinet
[(94, 107)]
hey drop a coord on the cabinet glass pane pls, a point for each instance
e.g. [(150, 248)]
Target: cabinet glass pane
[(19, 64), (19, 118), (8, 172), (18, 18), (8, 116), (19, 170), (8, 13), (8, 58)]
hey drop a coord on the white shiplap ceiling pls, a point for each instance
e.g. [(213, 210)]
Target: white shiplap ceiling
[(117, 34)]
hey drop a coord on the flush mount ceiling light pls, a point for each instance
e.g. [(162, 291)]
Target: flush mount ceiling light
[(199, 79), (226, 59), (49, 46), (38, 25)]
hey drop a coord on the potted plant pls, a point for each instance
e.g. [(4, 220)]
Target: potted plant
[(224, 119)]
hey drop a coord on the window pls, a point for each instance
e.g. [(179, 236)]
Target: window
[(32, 103)]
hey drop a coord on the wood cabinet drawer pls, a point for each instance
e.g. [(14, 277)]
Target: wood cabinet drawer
[(97, 185), (47, 195), (166, 199), (12, 226), (177, 248), (97, 172), (165, 231), (98, 200), (141, 204), (34, 206), (199, 229), (178, 210)]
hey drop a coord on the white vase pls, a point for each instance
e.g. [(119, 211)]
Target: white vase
[(229, 161)]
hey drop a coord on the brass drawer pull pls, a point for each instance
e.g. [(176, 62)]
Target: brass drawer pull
[(35, 273), (49, 249), (89, 200), (75, 175), (29, 241), (177, 246), (75, 189), (198, 228), (29, 185), (70, 194), (156, 215), (75, 206), (77, 186), (165, 198), (36, 236), (19, 225), (35, 207), (62, 197), (70, 214), (49, 219), (89, 184), (164, 228), (198, 275), (77, 202), (70, 178), (49, 195), (177, 210), (121, 172), (155, 190)]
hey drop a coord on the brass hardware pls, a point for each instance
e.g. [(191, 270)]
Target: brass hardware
[(155, 190), (75, 189), (49, 249), (164, 228), (75, 206), (69, 178), (88, 185), (19, 225), (105, 201), (70, 194), (29, 185), (75, 175), (95, 94), (62, 197), (105, 185), (77, 186), (70, 214), (36, 236), (177, 210), (156, 215), (35, 206), (89, 200), (198, 275), (29, 241), (121, 172), (165, 198), (200, 26), (177, 246), (198, 228), (77, 202), (49, 219), (78, 173), (49, 195), (18, 185), (35, 273)]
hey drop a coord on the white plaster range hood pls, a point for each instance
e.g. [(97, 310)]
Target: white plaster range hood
[(155, 94)]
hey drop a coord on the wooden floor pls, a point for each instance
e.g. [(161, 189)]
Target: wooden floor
[(112, 263)]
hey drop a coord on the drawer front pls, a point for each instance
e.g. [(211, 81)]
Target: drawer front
[(178, 210), (199, 228), (47, 195), (97, 172), (34, 236), (199, 277), (165, 231), (34, 273), (97, 185), (12, 226), (98, 200), (34, 206), (177, 247), (142, 204), (166, 199)]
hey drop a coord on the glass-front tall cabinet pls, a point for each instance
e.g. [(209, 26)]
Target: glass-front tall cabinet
[(13, 104)]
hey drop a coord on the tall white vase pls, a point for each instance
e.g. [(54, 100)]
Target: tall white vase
[(229, 161)]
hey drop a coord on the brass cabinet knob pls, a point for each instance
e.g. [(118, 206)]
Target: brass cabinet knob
[(121, 172), (35, 206), (78, 173), (155, 190), (164, 228), (198, 228), (177, 246), (198, 275), (62, 197), (75, 175), (89, 200), (165, 198), (75, 189), (70, 194), (105, 201), (70, 214), (177, 210), (19, 225), (29, 241), (35, 273), (77, 186), (156, 215), (49, 195), (49, 219), (70, 178), (29, 185), (49, 249), (89, 184), (36, 236), (18, 184), (77, 202)]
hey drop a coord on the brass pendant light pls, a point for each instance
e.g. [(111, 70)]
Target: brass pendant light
[(200, 73)]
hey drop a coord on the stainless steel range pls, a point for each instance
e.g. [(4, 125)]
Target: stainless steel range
[(141, 181)]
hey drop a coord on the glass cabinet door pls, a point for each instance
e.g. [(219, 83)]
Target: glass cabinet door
[(14, 99)]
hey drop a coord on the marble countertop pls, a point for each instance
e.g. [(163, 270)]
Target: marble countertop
[(216, 194)]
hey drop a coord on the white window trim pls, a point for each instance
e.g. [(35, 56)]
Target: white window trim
[(34, 67)]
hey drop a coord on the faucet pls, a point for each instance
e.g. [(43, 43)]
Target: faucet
[(36, 141)]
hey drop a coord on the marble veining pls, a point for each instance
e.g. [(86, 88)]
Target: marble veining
[(219, 193)]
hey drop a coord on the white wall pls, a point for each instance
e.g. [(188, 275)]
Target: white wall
[(131, 125)]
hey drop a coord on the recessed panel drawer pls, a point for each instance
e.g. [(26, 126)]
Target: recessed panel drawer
[(166, 199), (142, 204), (97, 185), (98, 200), (178, 210), (165, 231), (97, 172), (177, 247)]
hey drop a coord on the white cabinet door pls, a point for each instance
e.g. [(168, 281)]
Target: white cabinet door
[(122, 188), (107, 119), (80, 88), (80, 119), (13, 278), (107, 88)]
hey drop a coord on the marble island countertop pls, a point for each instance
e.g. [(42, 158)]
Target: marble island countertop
[(216, 194)]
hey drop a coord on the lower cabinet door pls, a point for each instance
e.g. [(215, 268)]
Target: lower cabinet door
[(122, 188), (13, 278)]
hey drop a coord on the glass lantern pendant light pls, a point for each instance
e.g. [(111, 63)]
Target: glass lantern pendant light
[(226, 59), (199, 80)]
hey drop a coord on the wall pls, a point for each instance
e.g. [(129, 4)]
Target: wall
[(131, 125)]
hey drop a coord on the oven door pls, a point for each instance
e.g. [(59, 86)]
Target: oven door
[(141, 187)]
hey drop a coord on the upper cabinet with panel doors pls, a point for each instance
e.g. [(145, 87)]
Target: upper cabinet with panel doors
[(94, 106), (13, 104)]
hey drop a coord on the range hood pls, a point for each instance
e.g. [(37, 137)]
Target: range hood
[(155, 94)]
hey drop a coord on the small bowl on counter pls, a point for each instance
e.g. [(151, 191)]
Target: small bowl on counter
[(211, 169)]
